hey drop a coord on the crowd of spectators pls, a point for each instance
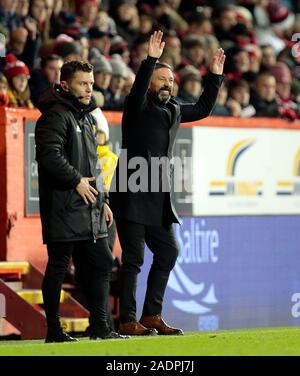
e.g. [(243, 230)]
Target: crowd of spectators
[(261, 39)]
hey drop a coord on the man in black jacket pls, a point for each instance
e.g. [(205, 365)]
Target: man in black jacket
[(73, 206), (150, 122)]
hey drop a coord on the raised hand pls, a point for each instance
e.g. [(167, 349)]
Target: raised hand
[(217, 62), (156, 46), (31, 27)]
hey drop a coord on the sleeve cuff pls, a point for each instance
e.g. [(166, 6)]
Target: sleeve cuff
[(76, 181), (216, 78), (106, 198), (151, 60)]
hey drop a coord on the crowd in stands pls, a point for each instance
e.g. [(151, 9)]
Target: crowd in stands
[(261, 39)]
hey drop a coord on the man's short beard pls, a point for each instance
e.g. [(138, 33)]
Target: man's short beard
[(164, 100)]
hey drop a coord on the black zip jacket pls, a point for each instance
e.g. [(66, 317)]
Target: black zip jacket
[(66, 152)]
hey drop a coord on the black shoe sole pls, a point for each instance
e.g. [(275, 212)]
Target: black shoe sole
[(112, 335), (58, 341), (171, 334), (146, 334)]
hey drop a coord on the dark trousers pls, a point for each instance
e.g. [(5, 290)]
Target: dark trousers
[(111, 231), (162, 243), (93, 262)]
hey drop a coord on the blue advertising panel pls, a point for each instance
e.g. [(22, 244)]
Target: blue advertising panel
[(233, 272)]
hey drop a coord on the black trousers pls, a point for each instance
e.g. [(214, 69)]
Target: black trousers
[(162, 243), (111, 231), (93, 262)]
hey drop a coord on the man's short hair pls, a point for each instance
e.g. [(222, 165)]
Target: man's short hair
[(159, 65), (264, 73), (69, 69), (52, 57), (238, 84)]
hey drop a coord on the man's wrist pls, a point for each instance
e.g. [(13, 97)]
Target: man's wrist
[(77, 181), (152, 58)]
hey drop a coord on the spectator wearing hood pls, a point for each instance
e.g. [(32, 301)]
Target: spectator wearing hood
[(115, 100), (102, 76)]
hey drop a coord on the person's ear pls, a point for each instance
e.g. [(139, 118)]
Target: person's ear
[(64, 85)]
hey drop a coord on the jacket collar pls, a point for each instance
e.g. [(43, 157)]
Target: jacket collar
[(71, 101)]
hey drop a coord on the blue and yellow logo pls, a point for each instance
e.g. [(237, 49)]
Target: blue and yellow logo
[(231, 186), (291, 187)]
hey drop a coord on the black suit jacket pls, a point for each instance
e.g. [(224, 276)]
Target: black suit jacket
[(149, 129)]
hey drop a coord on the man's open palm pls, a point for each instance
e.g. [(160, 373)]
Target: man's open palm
[(216, 65), (156, 46)]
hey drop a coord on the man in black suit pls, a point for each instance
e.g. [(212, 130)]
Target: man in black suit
[(150, 122)]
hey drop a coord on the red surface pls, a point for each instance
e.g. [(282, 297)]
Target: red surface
[(20, 236)]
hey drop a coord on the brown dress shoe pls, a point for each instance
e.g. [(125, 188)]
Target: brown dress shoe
[(159, 324), (134, 328)]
